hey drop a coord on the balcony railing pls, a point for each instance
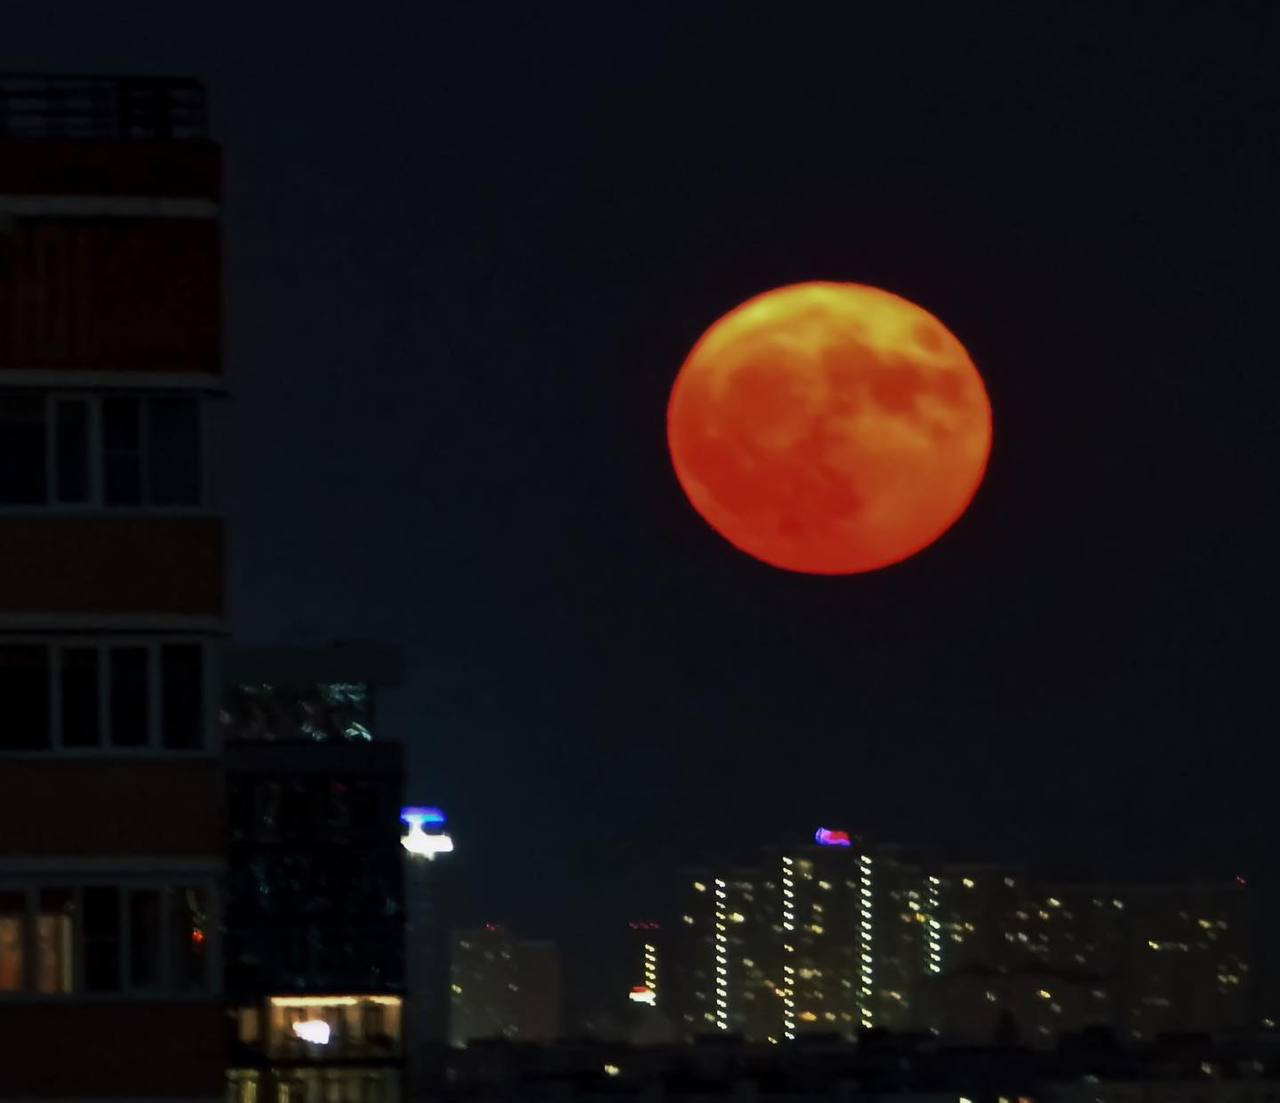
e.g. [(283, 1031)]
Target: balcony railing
[(102, 108)]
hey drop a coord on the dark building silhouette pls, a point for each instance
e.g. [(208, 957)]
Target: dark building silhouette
[(503, 986), (111, 593), (315, 897), (435, 906)]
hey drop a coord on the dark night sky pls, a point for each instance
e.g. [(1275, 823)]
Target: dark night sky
[(468, 246)]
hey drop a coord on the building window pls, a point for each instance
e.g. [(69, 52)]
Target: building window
[(140, 695), (24, 691), (54, 925), (80, 694), (105, 938), (23, 458), (146, 961), (13, 906), (130, 696), (71, 457), (102, 939), (182, 695), (96, 451), (190, 914)]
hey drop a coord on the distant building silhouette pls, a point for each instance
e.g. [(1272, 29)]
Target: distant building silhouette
[(845, 935), (315, 900), (503, 986), (434, 909)]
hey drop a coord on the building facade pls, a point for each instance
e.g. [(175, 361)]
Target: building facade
[(503, 986), (111, 594), (844, 935), (434, 907), (315, 911)]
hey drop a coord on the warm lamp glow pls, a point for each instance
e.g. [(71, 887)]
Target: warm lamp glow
[(315, 1031), (829, 428)]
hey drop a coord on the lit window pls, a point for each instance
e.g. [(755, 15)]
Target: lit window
[(54, 926), (13, 911)]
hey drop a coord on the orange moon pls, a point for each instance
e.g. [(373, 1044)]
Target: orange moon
[(829, 428)]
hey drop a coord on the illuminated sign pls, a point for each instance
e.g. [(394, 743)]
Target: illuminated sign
[(419, 817), (421, 845), (823, 837), (641, 994), (315, 1031)]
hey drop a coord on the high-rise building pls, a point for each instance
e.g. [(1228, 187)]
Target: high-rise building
[(845, 935), (827, 919), (645, 936), (690, 995), (111, 593), (503, 986), (909, 944), (433, 911), (315, 899), (1035, 962), (827, 938), (1175, 957)]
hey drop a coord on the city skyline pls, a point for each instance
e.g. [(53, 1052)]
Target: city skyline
[(458, 289)]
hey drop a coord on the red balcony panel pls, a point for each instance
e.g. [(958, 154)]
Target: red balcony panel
[(88, 808), (159, 169), (118, 1050), (115, 295), (128, 565)]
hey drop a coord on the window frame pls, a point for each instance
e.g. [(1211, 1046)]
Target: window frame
[(168, 985), (96, 502), (154, 745)]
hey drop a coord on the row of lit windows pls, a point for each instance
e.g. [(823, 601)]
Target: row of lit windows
[(722, 959), (65, 939)]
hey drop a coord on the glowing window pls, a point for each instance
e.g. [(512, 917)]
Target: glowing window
[(13, 909)]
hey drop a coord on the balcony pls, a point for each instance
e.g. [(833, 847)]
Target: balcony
[(99, 136), (99, 108), (111, 566)]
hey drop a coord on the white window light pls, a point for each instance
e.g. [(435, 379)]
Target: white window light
[(314, 1031)]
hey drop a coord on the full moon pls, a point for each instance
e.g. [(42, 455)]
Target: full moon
[(829, 428)]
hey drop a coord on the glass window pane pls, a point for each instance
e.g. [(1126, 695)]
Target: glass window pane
[(102, 938), (55, 929), (81, 712), (122, 451), (13, 912), (72, 470), (23, 475), (130, 697), (24, 697), (144, 938), (190, 939), (173, 452), (182, 695)]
